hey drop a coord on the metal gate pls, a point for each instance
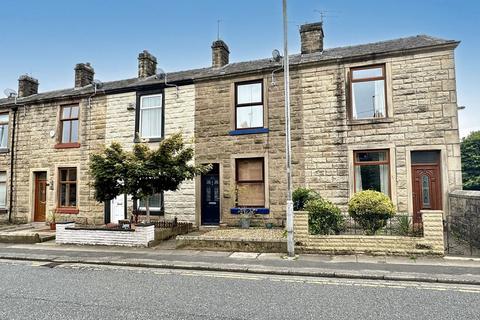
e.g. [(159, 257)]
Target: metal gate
[(462, 235)]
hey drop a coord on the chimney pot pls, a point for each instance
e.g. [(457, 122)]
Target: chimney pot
[(220, 54), (147, 64), (27, 86), (311, 36), (83, 74)]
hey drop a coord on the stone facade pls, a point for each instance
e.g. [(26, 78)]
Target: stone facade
[(179, 117), (214, 119), (422, 108), (37, 138)]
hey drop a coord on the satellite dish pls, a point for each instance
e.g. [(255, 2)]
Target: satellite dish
[(160, 73), (10, 93), (97, 83), (276, 55)]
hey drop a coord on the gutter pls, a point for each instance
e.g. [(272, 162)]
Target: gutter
[(12, 159)]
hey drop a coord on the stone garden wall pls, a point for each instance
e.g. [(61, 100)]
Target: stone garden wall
[(430, 243), (464, 203)]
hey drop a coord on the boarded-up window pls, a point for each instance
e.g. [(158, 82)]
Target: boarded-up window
[(250, 182)]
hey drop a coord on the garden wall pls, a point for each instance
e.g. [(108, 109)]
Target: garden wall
[(141, 236), (464, 203), (430, 243)]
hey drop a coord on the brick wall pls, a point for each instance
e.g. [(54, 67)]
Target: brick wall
[(66, 233)]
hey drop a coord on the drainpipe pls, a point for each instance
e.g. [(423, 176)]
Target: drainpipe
[(12, 159)]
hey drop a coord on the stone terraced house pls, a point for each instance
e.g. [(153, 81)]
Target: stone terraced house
[(377, 116)]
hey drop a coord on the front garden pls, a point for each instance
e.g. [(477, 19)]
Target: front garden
[(371, 226)]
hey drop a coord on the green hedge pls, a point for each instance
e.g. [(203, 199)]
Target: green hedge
[(301, 196), (371, 210), (324, 217)]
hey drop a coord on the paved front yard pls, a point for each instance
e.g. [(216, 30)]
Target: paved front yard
[(246, 234)]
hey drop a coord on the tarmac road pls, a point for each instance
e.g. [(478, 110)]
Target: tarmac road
[(39, 290)]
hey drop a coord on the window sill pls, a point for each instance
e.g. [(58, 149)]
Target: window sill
[(67, 210), (152, 212), (67, 145), (147, 140), (3, 210), (369, 121), (248, 131), (257, 210), (4, 150)]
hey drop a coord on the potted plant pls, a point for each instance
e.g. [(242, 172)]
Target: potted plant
[(52, 220), (246, 215)]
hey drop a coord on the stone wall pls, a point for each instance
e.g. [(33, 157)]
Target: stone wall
[(422, 108), (37, 133), (430, 243), (179, 117), (215, 118), (141, 236), (464, 203)]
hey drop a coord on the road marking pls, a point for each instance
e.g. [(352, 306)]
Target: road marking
[(261, 277)]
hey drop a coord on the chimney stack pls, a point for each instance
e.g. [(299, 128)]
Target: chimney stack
[(220, 54), (311, 36), (27, 86), (147, 64), (83, 74)]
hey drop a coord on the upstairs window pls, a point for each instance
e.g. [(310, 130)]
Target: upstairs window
[(367, 88), (3, 130), (372, 171), (250, 182), (249, 105), (69, 124), (67, 188), (151, 116)]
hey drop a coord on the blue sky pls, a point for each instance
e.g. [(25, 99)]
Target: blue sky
[(47, 38)]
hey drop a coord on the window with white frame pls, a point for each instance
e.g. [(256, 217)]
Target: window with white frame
[(3, 130), (155, 203), (151, 116), (249, 105), (3, 189), (372, 170), (367, 92)]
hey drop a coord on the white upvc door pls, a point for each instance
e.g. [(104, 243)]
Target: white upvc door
[(117, 209)]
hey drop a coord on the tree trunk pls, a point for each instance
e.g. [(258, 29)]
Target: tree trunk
[(147, 208)]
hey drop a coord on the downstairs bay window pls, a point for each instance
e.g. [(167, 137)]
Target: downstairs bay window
[(372, 171)]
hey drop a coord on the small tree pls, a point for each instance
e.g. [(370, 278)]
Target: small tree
[(143, 172), (471, 161)]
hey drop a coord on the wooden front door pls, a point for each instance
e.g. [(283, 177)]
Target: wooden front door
[(427, 193), (40, 196), (211, 196)]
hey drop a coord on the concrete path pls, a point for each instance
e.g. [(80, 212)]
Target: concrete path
[(423, 269)]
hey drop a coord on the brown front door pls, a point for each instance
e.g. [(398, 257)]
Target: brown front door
[(40, 196), (427, 192)]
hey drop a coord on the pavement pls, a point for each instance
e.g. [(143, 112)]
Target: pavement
[(451, 270), (26, 233)]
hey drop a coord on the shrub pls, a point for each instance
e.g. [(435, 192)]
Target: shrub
[(301, 196), (324, 217), (371, 210)]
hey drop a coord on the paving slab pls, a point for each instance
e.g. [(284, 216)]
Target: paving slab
[(244, 255)]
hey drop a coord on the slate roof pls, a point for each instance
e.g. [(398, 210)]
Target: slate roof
[(332, 54)]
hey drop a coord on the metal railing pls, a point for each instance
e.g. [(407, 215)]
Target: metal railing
[(399, 225)]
